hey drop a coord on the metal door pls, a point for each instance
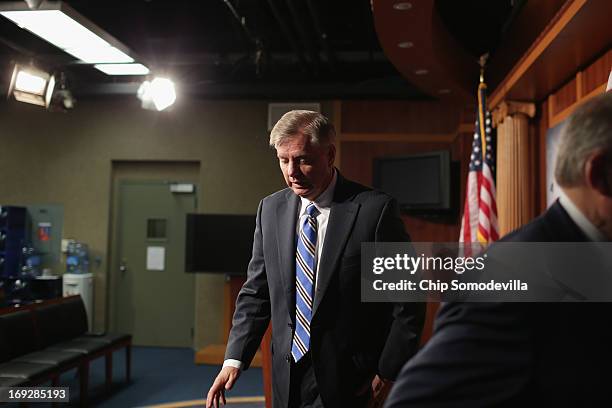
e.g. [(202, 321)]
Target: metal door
[(154, 297)]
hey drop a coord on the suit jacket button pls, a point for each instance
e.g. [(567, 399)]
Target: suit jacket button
[(288, 358)]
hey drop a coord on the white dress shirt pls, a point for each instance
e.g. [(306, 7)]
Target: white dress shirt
[(323, 204), (585, 225)]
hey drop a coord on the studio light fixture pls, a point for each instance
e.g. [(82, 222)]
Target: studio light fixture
[(157, 94), (60, 25), (62, 99), (31, 85)]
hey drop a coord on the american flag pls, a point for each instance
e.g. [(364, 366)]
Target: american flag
[(479, 223)]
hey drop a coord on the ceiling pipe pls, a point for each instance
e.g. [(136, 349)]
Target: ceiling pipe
[(288, 34), (260, 57), (242, 22), (306, 40), (321, 34)]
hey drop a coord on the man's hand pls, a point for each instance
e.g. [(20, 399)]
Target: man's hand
[(224, 381), (380, 391)]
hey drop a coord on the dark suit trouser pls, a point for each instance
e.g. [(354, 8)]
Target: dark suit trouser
[(303, 390)]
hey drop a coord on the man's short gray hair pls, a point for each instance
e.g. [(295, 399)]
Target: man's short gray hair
[(312, 124), (588, 129)]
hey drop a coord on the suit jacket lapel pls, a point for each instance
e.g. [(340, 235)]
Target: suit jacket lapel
[(285, 238), (341, 218)]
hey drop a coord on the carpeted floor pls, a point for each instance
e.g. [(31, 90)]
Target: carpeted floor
[(159, 376)]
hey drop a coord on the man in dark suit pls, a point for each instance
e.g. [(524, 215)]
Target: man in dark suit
[(544, 354), (328, 348)]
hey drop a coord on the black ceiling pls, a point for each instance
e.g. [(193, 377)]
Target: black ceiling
[(291, 49)]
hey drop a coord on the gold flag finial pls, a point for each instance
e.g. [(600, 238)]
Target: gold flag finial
[(482, 61)]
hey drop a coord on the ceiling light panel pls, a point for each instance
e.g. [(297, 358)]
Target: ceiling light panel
[(63, 27), (123, 69)]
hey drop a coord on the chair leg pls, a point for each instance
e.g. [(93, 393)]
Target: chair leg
[(84, 382), (109, 370), (128, 362)]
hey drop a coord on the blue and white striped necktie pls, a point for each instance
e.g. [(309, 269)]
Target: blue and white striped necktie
[(304, 282)]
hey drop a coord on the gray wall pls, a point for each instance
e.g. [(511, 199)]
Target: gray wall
[(65, 158)]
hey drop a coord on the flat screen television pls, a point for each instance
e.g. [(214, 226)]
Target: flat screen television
[(219, 243), (419, 182)]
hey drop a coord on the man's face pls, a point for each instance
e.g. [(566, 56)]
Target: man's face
[(307, 168)]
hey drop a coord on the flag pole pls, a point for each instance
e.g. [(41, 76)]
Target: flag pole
[(479, 222), (482, 61)]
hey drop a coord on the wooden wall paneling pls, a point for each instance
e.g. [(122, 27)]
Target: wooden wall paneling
[(337, 121), (565, 113), (550, 107), (566, 96), (398, 137), (579, 83), (597, 73), (463, 147), (357, 164), (586, 84), (358, 157), (544, 40), (578, 35), (468, 115), (534, 174), (381, 128), (215, 353), (400, 117), (266, 365), (542, 130), (384, 128), (526, 172), (527, 26)]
